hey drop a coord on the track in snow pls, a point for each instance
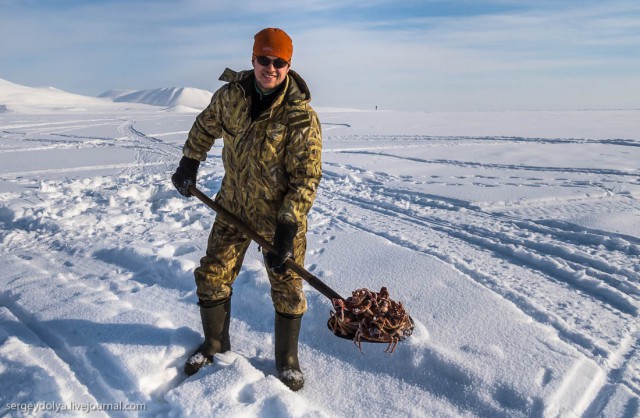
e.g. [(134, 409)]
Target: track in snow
[(582, 282)]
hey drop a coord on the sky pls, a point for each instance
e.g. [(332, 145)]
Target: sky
[(423, 55)]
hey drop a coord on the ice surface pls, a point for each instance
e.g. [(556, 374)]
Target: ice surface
[(510, 237)]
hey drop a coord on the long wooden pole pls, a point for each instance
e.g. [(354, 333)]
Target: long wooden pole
[(315, 282)]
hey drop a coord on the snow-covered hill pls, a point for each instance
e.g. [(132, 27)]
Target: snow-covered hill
[(16, 98), (113, 94), (184, 97)]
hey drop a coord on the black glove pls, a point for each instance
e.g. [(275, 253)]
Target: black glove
[(283, 243), (185, 175)]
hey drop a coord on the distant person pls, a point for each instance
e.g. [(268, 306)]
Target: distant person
[(272, 162)]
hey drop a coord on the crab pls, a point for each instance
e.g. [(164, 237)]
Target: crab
[(371, 316)]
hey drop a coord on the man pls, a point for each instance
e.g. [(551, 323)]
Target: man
[(272, 161)]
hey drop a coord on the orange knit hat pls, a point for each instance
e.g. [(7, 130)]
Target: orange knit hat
[(274, 42)]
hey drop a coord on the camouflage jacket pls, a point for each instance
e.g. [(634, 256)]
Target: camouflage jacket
[(277, 157)]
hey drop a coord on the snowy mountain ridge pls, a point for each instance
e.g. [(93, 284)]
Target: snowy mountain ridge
[(167, 96), (113, 94), (17, 98)]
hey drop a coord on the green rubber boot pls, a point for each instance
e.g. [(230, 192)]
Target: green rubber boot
[(287, 330), (215, 325)]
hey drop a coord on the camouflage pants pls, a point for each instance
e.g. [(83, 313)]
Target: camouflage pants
[(226, 249)]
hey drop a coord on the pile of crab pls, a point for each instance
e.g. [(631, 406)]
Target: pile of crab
[(371, 317)]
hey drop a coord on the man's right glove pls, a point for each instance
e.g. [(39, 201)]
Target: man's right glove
[(185, 175), (283, 243)]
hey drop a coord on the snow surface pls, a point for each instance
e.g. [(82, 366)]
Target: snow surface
[(512, 238)]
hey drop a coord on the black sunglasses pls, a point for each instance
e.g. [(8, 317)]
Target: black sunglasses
[(266, 61)]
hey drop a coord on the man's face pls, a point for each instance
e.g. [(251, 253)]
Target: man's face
[(268, 76)]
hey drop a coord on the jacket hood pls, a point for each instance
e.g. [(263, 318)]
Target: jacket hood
[(296, 90)]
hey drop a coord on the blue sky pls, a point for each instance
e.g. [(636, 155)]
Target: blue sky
[(406, 55)]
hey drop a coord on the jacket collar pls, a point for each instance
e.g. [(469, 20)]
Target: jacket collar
[(295, 92)]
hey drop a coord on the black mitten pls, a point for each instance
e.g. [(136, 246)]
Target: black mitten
[(185, 175), (283, 243)]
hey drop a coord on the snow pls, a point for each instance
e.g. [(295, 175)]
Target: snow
[(512, 239), (170, 97), (22, 99), (113, 94), (15, 98)]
